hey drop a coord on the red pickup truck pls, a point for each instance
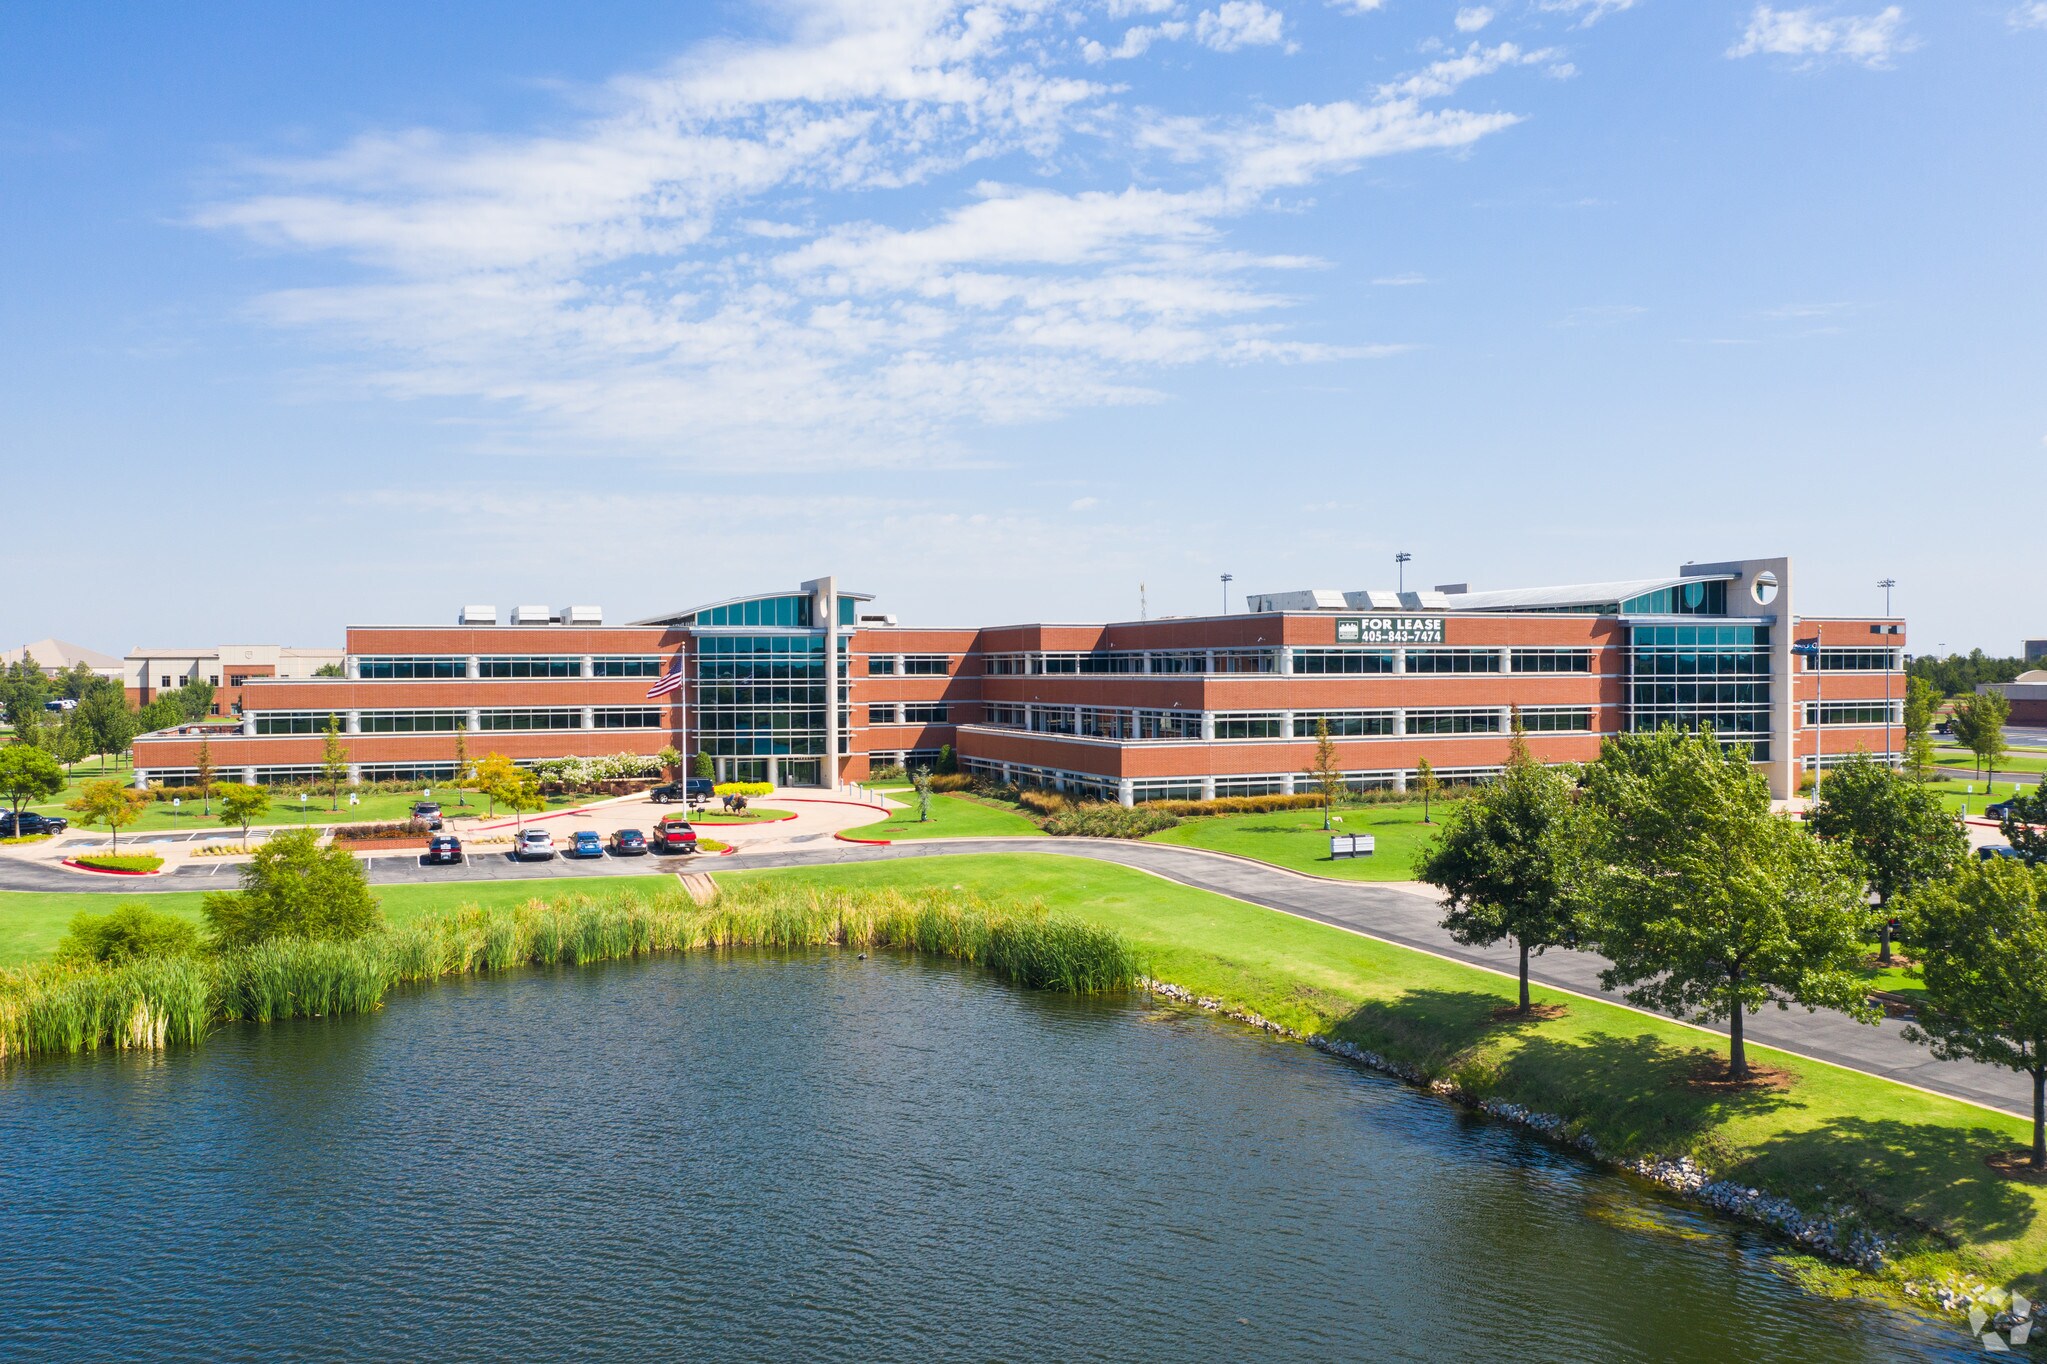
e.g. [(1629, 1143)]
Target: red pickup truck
[(673, 835)]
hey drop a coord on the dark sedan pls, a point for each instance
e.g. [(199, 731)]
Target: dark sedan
[(444, 848), (628, 843)]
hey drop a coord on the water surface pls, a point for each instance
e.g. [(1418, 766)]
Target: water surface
[(817, 1157)]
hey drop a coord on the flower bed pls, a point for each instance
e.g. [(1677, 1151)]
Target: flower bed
[(123, 864)]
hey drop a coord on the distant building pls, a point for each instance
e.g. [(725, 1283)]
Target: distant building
[(2028, 696), (55, 656), (148, 672), (2036, 650)]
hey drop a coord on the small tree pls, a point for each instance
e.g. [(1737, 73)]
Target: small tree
[(463, 776), (294, 888), (27, 775), (948, 762), (920, 779), (1982, 942), (1979, 725), (131, 933), (670, 759), (202, 769), (1328, 778), (497, 777), (522, 796), (242, 805), (71, 743), (1506, 862), (1428, 783), (333, 760), (2025, 825), (1922, 703), (108, 802), (1707, 903), (706, 766), (1898, 831), (106, 712)]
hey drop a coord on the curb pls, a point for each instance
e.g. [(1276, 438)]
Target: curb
[(844, 837)]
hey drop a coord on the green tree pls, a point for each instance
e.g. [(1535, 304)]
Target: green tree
[(1324, 772), (463, 775), (1982, 943), (1958, 674), (242, 805), (28, 775), (1979, 727), (1708, 904), (202, 769), (71, 743), (131, 932), (328, 670), (104, 710), (670, 759), (24, 688), (333, 760), (1898, 831), (34, 731), (920, 779), (2025, 825), (108, 802), (1507, 862), (1428, 783), (497, 778), (522, 796), (948, 761), (706, 766), (194, 699), (1922, 704), (79, 682), (294, 888)]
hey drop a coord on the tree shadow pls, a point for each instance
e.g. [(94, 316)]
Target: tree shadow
[(1928, 1175), (1434, 1029), (1637, 1092)]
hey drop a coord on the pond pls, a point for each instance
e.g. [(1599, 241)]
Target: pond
[(814, 1156)]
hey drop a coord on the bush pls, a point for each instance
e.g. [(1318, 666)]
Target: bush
[(355, 833), (294, 888), (711, 845), (743, 788), (591, 771), (1040, 802), (1109, 821), (131, 932), (887, 772), (1236, 805), (120, 862), (951, 781)]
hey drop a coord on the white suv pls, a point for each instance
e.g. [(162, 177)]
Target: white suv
[(534, 843)]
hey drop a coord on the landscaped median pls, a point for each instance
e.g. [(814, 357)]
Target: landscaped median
[(121, 864), (1858, 1154)]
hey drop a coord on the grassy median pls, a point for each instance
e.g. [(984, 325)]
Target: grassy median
[(951, 817), (1913, 1161), (1295, 839)]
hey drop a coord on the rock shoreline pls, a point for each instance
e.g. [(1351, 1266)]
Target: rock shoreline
[(1836, 1234)]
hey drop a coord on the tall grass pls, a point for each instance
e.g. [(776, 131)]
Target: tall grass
[(156, 1002)]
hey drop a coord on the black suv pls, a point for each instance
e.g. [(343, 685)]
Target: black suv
[(31, 823), (427, 812)]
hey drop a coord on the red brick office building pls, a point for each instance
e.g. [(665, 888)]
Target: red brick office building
[(1175, 707)]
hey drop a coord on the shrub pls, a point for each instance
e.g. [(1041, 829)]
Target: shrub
[(294, 888), (1109, 821), (1040, 802), (120, 862), (887, 772), (130, 932), (591, 771), (711, 845), (743, 788), (951, 781), (354, 833), (1236, 805)]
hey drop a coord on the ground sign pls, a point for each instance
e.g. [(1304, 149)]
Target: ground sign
[(1351, 845)]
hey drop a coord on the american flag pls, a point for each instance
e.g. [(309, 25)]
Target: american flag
[(672, 682)]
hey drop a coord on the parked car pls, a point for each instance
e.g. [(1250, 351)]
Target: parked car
[(444, 848), (1999, 810), (695, 788), (674, 836), (584, 843), (61, 704), (1990, 850), (628, 843), (701, 788), (427, 812), (534, 843), (31, 823)]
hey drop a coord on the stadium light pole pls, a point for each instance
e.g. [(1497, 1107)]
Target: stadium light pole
[(1400, 566), (1889, 663), (1228, 578)]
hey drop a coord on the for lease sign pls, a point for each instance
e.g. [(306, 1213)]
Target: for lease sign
[(1389, 630)]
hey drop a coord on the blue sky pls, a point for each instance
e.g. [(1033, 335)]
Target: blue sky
[(331, 313)]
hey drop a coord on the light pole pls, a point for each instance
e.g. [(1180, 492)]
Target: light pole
[(1228, 578), (1887, 584), (1400, 566)]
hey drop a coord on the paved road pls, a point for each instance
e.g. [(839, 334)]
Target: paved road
[(1385, 912)]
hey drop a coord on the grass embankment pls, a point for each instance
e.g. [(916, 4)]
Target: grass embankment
[(2014, 760), (31, 922), (952, 816), (1295, 839), (1623, 1078), (53, 1009)]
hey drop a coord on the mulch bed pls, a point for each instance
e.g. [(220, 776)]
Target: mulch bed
[(1710, 1076), (2016, 1163), (1537, 1013)]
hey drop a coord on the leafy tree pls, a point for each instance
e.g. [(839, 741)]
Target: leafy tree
[(27, 775), (33, 730), (1507, 862), (1922, 703), (23, 690), (202, 767), (1897, 830), (670, 759), (523, 796), (130, 933), (948, 762), (79, 681), (1707, 903), (497, 778), (463, 775), (333, 760), (105, 712), (920, 780), (194, 699), (706, 766), (294, 888), (71, 743), (242, 805), (1328, 778), (2025, 825), (1982, 941), (108, 802), (1959, 674), (1428, 783), (328, 670), (1979, 727)]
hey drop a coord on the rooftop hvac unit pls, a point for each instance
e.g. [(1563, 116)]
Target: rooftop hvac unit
[(532, 615), (582, 615), (866, 619), (478, 615)]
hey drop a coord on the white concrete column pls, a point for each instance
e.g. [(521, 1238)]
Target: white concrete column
[(1208, 726), (1399, 661), (141, 779), (1286, 784), (1506, 719), (1506, 661), (351, 668), (248, 776), (1126, 792), (589, 666), (471, 668), (1399, 721), (475, 720), (1208, 788), (1400, 782), (355, 774), (1286, 661), (1286, 726), (248, 722), (351, 722), (589, 714), (1208, 661), (1145, 666)]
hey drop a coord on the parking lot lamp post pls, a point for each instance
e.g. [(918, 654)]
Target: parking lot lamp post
[(1228, 578), (1887, 584), (1400, 567)]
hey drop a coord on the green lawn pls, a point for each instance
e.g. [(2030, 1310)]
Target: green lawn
[(160, 817), (31, 922), (2014, 761), (1619, 1075), (754, 815), (951, 817), (1955, 796), (1294, 839)]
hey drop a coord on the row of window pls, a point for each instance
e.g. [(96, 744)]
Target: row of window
[(914, 713), (1097, 787), (414, 667), (1856, 660), (1853, 713), (1102, 722), (908, 665), (447, 721)]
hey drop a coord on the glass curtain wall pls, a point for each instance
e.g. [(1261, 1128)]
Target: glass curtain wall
[(760, 703), (1697, 675)]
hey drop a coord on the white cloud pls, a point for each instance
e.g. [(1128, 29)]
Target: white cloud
[(1238, 23), (1399, 281), (1081, 504), (1358, 6), (2032, 15), (1588, 12), (1136, 42), (1870, 40), (1472, 18), (765, 251)]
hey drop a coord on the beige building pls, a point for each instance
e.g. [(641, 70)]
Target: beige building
[(148, 672)]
